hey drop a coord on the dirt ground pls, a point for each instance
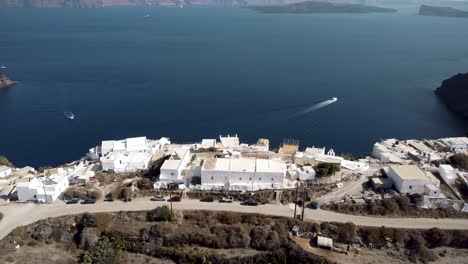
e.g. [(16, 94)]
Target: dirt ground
[(367, 256), (40, 253), (139, 258)]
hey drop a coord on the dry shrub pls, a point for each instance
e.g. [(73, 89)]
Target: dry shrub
[(102, 221), (19, 231), (33, 243), (418, 250), (228, 218), (1, 216), (347, 232)]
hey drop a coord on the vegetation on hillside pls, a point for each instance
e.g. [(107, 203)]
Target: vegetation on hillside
[(162, 213), (5, 161), (326, 169), (400, 206), (459, 161), (106, 238)]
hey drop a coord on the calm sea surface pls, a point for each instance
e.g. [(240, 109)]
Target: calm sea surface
[(195, 73)]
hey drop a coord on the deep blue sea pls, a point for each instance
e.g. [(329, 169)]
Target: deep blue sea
[(198, 72)]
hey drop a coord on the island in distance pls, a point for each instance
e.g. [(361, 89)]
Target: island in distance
[(5, 82), (321, 7), (454, 93), (444, 11)]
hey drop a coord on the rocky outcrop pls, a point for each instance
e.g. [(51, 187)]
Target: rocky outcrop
[(454, 93), (5, 82), (444, 11), (321, 7)]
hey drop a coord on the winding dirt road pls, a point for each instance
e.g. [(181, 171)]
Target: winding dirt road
[(23, 214)]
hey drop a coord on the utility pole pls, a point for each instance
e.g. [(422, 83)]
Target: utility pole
[(303, 201), (295, 199)]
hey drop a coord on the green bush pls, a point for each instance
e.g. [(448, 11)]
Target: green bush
[(326, 169), (162, 213), (108, 250)]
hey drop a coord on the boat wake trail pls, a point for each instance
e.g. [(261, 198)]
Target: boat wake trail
[(317, 106)]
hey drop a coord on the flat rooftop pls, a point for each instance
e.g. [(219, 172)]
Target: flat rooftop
[(217, 164), (409, 172), (246, 165), (267, 165)]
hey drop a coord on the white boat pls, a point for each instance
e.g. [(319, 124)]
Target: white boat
[(334, 99), (2, 67), (146, 16), (69, 115)]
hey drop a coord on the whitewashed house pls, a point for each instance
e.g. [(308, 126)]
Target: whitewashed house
[(42, 189), (137, 144), (126, 162), (208, 143), (5, 171), (448, 173), (172, 169), (242, 174), (229, 142), (412, 180)]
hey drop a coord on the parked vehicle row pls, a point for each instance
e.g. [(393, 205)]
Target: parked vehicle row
[(77, 200)]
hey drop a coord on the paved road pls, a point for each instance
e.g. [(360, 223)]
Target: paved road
[(24, 214)]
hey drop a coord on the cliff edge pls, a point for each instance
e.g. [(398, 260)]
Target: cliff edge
[(5, 82), (444, 11), (454, 93)]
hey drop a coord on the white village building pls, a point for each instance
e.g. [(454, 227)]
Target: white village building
[(42, 189), (456, 145), (412, 180), (229, 142), (172, 169), (448, 173), (127, 155), (243, 174), (5, 171)]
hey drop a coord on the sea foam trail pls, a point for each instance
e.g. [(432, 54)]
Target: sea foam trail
[(316, 107)]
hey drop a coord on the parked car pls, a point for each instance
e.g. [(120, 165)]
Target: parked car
[(250, 203), (226, 199), (314, 205), (73, 201), (127, 199), (175, 199), (159, 198), (89, 201), (208, 199), (109, 199)]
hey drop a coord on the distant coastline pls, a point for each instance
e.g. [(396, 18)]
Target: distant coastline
[(321, 7), (443, 11)]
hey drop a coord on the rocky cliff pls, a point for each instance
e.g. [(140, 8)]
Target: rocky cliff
[(5, 82), (454, 93), (426, 10)]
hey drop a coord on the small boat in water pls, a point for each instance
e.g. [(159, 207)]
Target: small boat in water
[(2, 67), (334, 99), (69, 115)]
